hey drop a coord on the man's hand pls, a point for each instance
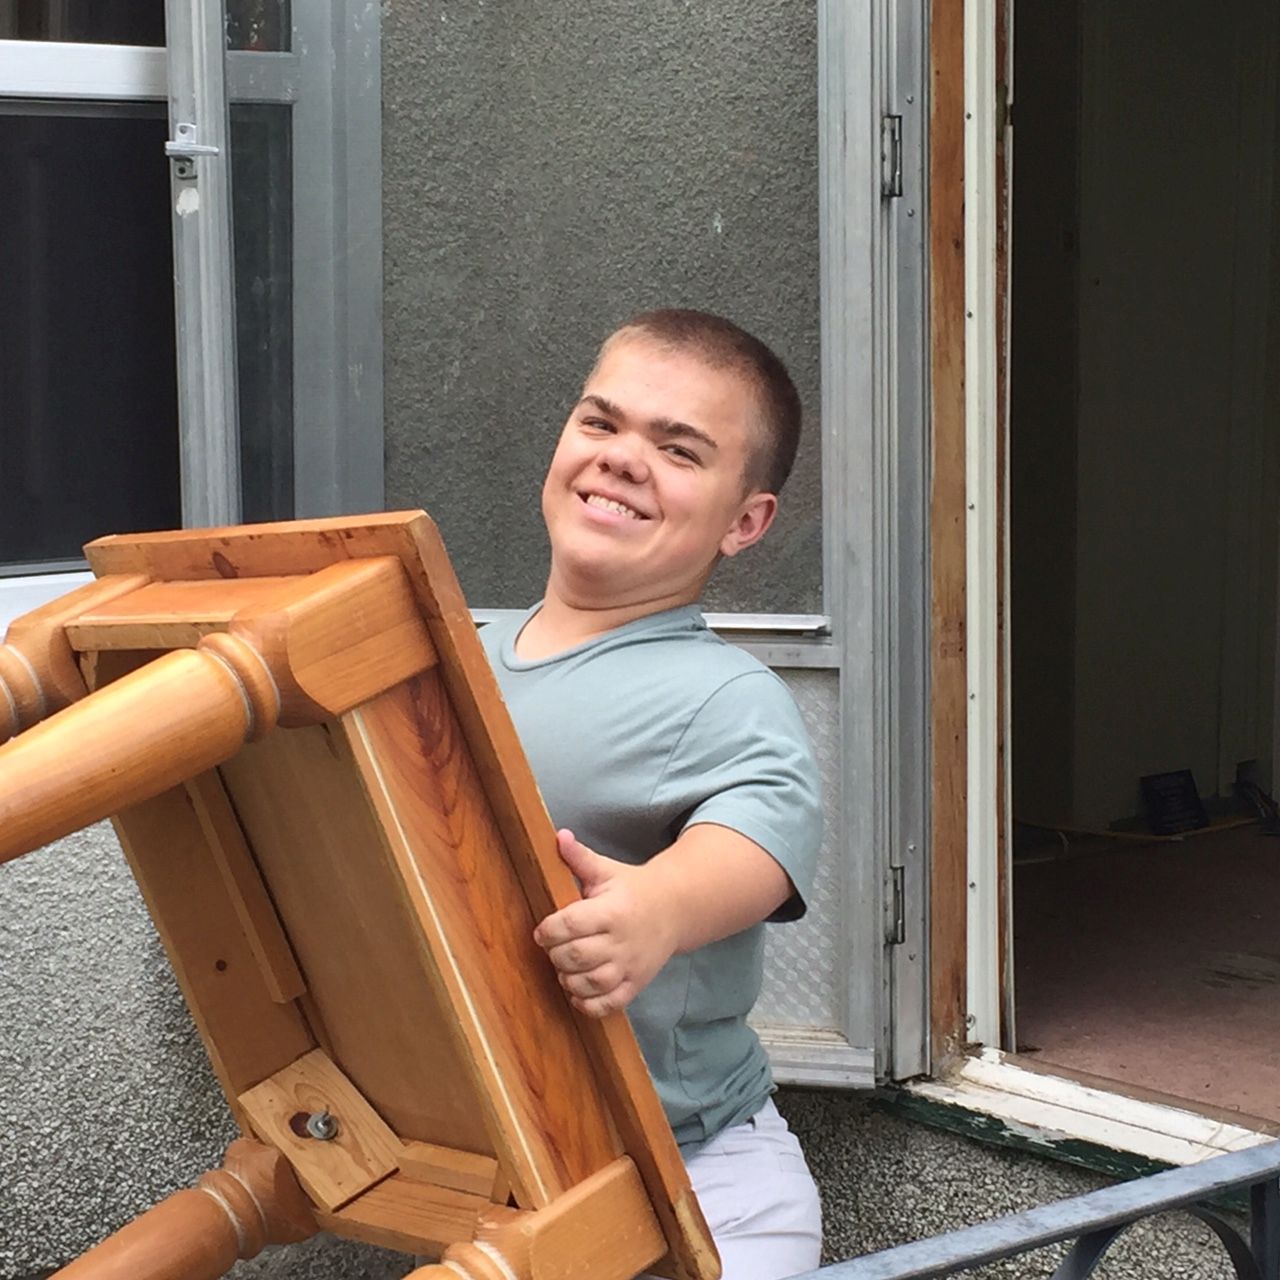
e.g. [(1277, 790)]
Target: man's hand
[(709, 884), (608, 947)]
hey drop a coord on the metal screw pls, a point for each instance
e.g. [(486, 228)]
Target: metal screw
[(320, 1124)]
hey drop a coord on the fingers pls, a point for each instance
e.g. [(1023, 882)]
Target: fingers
[(597, 1006), (603, 980), (590, 869), (577, 921), (582, 955)]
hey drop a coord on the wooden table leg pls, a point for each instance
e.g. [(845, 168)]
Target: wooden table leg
[(602, 1229), (199, 1234)]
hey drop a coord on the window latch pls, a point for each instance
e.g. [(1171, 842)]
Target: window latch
[(186, 149)]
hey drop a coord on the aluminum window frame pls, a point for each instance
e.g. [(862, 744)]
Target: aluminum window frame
[(334, 94)]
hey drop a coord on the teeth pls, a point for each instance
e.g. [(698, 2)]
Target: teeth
[(608, 504)]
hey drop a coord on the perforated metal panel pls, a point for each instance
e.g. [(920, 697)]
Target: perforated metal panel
[(806, 1013), (805, 985)]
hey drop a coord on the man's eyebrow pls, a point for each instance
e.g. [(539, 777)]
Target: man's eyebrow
[(662, 426), (681, 430), (605, 406)]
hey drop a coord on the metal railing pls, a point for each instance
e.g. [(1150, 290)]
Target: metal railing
[(1095, 1220)]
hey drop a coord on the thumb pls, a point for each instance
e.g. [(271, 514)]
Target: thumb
[(590, 869)]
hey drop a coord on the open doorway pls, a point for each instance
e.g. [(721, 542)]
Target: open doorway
[(1144, 476)]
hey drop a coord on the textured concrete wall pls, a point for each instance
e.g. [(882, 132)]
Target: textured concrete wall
[(548, 169)]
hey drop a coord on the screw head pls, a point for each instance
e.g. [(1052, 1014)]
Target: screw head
[(322, 1125)]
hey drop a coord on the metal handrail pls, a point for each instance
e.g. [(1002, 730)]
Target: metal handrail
[(1095, 1220)]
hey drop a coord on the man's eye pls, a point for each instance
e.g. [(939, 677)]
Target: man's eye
[(597, 424), (679, 451)]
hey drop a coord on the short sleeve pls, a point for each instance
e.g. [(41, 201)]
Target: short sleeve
[(745, 762)]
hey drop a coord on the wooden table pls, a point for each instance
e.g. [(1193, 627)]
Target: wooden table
[(326, 808)]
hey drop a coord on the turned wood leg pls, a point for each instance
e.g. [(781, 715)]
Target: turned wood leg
[(603, 1229), (199, 1234)]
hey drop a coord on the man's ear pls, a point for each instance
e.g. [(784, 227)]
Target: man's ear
[(751, 523)]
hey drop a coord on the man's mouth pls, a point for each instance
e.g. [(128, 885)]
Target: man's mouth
[(611, 504)]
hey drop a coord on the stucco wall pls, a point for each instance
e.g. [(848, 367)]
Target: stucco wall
[(107, 1103), (550, 168)]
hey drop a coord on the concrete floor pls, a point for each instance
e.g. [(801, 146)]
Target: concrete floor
[(1156, 966)]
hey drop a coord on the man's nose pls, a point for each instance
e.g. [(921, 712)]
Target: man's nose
[(623, 456)]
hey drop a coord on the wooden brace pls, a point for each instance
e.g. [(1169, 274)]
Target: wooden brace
[(603, 1229)]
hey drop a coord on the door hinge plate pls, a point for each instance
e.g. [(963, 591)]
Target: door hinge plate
[(891, 156), (898, 924)]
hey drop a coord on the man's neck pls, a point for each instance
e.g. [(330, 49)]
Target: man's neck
[(564, 622)]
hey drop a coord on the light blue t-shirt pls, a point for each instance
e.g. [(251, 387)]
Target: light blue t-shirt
[(634, 736)]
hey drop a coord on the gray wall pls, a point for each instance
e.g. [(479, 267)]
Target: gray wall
[(550, 168), (1165, 436)]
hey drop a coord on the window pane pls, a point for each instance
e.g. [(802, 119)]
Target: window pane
[(256, 25), (262, 214), (562, 166), (260, 26), (84, 21), (88, 394)]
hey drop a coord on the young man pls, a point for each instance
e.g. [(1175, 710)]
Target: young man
[(676, 765)]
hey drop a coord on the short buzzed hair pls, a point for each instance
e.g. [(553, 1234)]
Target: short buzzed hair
[(723, 345)]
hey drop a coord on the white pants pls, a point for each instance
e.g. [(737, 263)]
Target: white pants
[(759, 1199)]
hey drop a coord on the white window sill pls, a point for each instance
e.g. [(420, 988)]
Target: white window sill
[(21, 595), (1049, 1111)]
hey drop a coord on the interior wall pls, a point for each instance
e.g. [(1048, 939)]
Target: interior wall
[(1172, 624), (1043, 408)]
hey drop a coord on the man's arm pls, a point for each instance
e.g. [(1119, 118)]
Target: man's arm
[(711, 883)]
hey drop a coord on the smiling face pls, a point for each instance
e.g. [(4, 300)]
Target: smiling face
[(647, 488)]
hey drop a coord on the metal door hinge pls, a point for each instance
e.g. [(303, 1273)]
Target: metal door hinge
[(891, 155), (185, 149), (898, 927), (1004, 108)]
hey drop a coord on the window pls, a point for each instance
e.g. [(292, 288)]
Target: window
[(97, 430)]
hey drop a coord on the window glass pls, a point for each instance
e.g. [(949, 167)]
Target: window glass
[(88, 392), (84, 21), (562, 166), (256, 25), (259, 26), (262, 221)]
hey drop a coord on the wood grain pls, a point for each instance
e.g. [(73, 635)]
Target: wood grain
[(167, 615), (244, 886), (445, 1167), (247, 1035), (947, 648), (305, 547), (603, 1229), (149, 731), (470, 906), (527, 830), (334, 1171), (337, 637), (414, 1217), (375, 1003)]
